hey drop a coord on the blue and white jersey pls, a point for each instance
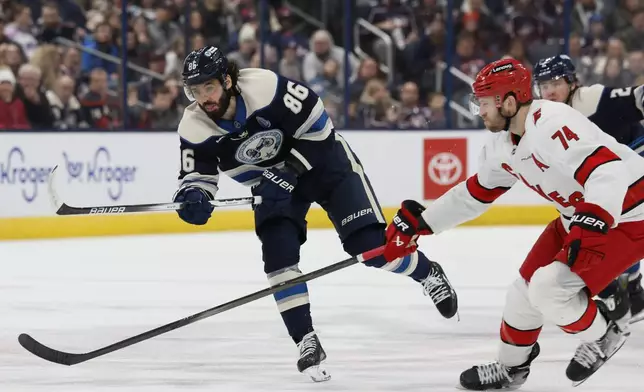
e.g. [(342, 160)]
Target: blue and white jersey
[(616, 111), (275, 118)]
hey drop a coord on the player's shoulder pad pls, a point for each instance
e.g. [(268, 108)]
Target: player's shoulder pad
[(586, 99), (543, 111), (258, 87), (547, 115), (196, 127)]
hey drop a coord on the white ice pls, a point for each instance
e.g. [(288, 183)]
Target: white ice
[(379, 331)]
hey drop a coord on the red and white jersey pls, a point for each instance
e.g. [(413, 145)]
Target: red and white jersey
[(563, 157)]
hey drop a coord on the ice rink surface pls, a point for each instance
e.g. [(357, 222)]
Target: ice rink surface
[(379, 331)]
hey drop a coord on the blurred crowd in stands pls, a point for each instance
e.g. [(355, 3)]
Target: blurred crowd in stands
[(50, 79)]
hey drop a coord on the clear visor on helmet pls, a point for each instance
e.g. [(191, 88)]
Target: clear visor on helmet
[(541, 87), (477, 105), (200, 91)]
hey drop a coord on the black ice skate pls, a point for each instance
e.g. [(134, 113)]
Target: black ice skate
[(440, 290), (495, 375), (311, 356), (636, 296), (590, 356)]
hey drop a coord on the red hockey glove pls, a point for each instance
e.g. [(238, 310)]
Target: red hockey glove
[(403, 231), (585, 245)]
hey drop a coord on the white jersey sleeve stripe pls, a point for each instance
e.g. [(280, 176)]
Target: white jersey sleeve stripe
[(482, 194), (600, 156)]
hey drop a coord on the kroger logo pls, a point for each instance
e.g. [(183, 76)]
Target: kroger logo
[(16, 171), (101, 170)]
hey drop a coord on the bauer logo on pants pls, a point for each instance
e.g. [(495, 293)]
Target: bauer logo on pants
[(445, 165)]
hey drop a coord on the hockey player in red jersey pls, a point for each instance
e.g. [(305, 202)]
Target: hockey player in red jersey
[(596, 184)]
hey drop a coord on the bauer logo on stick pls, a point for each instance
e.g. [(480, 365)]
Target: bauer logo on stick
[(107, 210)]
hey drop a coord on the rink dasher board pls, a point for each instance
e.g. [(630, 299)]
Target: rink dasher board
[(113, 168)]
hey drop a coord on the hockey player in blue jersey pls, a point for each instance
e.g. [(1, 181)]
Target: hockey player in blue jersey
[(274, 135), (618, 111)]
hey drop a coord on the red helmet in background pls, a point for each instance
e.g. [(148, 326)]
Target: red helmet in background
[(500, 78)]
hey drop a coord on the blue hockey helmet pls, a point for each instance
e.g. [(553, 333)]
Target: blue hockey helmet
[(203, 65), (555, 67)]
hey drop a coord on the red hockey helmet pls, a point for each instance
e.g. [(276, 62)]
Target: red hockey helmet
[(500, 78)]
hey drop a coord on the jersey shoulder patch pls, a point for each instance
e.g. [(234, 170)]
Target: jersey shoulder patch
[(196, 127)]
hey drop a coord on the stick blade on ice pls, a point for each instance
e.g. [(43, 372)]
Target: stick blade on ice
[(40, 350)]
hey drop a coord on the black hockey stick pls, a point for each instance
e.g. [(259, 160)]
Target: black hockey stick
[(64, 209), (63, 358)]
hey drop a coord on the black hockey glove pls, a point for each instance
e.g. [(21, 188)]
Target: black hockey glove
[(196, 209), (275, 188)]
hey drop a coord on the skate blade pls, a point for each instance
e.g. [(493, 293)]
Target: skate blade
[(317, 373), (510, 388), (619, 346)]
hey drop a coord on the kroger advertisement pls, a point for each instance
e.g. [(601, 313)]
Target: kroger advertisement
[(96, 169)]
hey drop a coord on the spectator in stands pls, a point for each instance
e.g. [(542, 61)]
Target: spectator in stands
[(367, 70), (52, 26), (635, 67), (174, 60), (163, 115), (614, 74), (33, 96), (398, 21), (140, 28), (12, 109), (597, 37), (71, 63), (614, 49), (619, 18), (101, 41), (47, 59), (12, 56), (136, 110), (247, 47), (326, 84), (411, 114), (633, 36), (581, 61), (437, 118), (291, 64), (582, 13), (97, 108), (65, 108), (526, 21), (517, 51), (149, 84), (197, 41), (179, 99), (376, 108), (323, 48), (468, 58), (288, 36), (163, 31), (4, 39), (137, 54), (21, 30), (217, 18)]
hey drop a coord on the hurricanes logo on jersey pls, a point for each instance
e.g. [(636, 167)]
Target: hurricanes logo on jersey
[(260, 147)]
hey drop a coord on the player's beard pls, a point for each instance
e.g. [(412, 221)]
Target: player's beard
[(222, 106)]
